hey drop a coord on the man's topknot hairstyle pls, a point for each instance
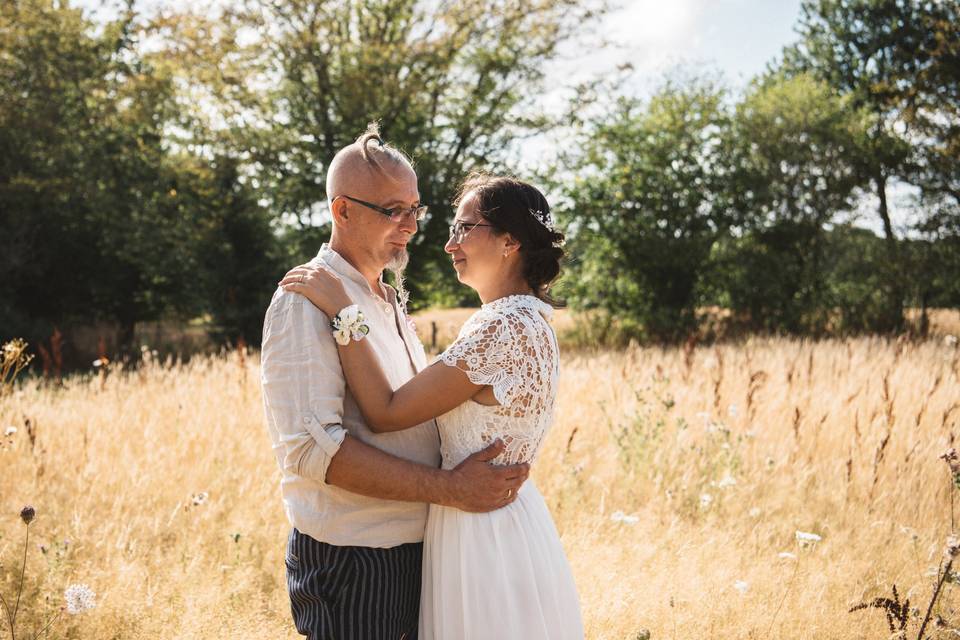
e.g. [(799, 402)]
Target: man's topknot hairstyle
[(371, 146)]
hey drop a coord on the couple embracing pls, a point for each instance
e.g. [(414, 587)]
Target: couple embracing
[(406, 485)]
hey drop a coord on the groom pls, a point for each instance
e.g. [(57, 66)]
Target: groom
[(357, 501)]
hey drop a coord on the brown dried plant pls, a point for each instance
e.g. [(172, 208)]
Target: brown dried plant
[(13, 359)]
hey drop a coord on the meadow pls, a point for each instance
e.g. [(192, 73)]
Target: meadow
[(683, 482)]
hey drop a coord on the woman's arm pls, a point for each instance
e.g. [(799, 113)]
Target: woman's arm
[(431, 393)]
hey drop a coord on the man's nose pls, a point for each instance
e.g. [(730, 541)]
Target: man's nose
[(409, 223)]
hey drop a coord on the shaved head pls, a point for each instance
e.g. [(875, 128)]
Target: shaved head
[(368, 164)]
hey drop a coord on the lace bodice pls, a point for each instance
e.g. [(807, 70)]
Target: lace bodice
[(509, 345)]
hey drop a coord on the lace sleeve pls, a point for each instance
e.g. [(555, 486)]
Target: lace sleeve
[(490, 351)]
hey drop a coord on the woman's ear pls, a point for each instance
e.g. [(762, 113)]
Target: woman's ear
[(510, 245)]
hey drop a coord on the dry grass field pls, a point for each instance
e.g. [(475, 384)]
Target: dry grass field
[(678, 481)]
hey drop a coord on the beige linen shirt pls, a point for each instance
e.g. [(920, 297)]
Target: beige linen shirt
[(309, 409)]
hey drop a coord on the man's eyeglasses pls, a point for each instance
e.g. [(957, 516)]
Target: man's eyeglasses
[(459, 230), (397, 213)]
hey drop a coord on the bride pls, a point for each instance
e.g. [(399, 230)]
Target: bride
[(501, 574)]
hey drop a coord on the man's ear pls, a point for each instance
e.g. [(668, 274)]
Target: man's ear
[(338, 209)]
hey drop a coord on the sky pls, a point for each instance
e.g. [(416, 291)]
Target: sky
[(735, 37)]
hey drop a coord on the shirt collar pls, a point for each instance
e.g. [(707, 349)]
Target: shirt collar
[(328, 255)]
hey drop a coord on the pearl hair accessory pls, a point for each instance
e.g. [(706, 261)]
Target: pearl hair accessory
[(543, 218)]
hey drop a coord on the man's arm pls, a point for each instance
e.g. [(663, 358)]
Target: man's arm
[(304, 387), (474, 485)]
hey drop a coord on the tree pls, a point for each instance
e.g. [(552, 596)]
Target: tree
[(453, 83), (793, 146), (899, 59), (646, 205), (84, 186)]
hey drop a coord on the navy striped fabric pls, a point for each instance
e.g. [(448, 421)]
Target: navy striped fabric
[(353, 593)]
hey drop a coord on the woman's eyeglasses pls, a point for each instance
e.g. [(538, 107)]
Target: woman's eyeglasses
[(397, 213), (459, 230)]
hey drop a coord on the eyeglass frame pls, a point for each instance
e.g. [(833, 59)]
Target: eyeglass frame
[(419, 211), (463, 234)]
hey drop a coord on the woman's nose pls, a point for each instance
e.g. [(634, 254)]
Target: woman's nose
[(451, 245)]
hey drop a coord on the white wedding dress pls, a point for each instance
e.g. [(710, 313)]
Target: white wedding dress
[(501, 574)]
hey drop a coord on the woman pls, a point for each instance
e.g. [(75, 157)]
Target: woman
[(500, 574)]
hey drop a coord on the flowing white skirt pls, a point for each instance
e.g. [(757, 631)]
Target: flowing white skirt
[(499, 575)]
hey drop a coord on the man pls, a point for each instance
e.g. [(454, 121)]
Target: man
[(357, 501)]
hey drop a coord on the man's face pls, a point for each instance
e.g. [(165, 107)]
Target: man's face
[(382, 238)]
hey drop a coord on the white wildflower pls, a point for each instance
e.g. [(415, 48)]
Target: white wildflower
[(79, 598), (732, 411), (786, 555), (11, 430), (705, 500), (806, 539), (620, 516), (950, 340), (741, 586), (199, 498), (727, 481), (755, 512), (952, 548)]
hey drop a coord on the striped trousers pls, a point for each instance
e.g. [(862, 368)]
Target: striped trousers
[(353, 593)]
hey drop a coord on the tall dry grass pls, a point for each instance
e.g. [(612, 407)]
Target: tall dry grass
[(676, 479)]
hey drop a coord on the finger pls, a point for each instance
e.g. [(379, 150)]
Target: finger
[(511, 471), (297, 271), (294, 274), (513, 485), (492, 451)]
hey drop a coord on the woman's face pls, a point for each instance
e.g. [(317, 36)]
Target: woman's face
[(478, 257)]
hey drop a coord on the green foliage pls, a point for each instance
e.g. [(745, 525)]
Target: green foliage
[(645, 207), (452, 84), (794, 145), (900, 60)]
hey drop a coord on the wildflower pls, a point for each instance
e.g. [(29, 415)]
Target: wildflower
[(27, 514), (950, 340), (100, 362), (732, 411), (953, 460), (755, 512), (705, 500), (727, 481), (786, 555), (952, 548), (806, 539), (199, 498), (910, 533), (741, 586), (79, 598), (620, 516)]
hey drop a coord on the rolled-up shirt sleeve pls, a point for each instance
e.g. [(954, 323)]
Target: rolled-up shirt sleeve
[(303, 386)]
